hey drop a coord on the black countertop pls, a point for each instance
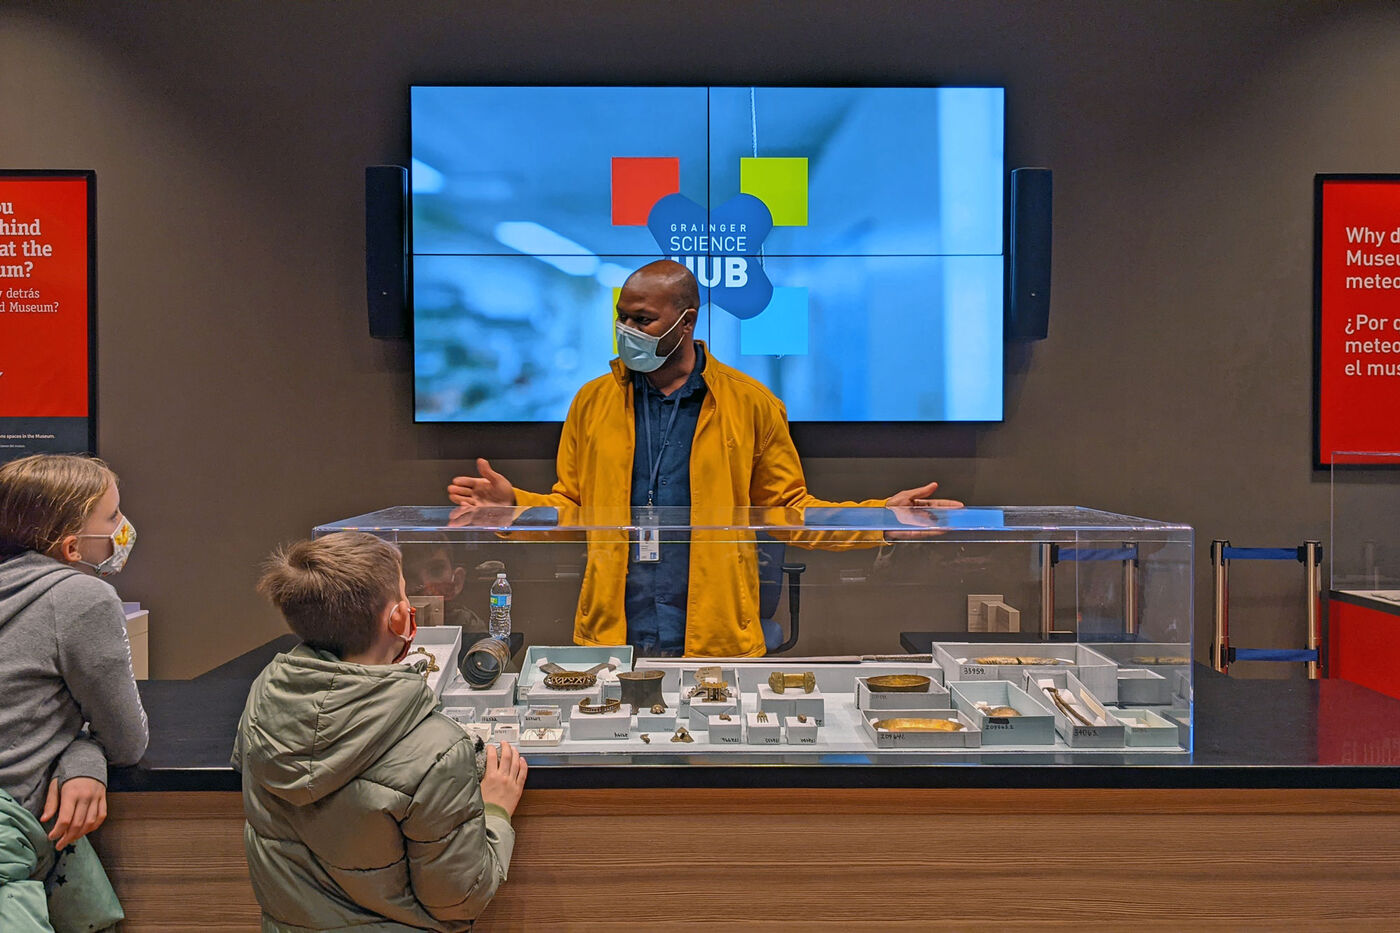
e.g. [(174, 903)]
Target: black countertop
[(1249, 733)]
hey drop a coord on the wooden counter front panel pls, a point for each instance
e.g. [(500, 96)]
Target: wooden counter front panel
[(915, 859)]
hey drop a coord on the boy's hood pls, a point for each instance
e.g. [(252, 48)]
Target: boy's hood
[(313, 723), (26, 577)]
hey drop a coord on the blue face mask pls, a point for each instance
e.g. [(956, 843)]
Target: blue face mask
[(638, 350)]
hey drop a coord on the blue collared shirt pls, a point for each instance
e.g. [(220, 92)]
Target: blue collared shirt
[(656, 590)]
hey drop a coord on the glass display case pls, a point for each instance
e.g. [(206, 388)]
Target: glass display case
[(1363, 606), (870, 636)]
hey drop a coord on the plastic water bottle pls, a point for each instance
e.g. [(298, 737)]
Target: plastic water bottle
[(499, 625)]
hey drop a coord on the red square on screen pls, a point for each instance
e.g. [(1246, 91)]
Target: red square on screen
[(637, 184)]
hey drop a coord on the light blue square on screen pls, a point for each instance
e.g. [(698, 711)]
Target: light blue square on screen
[(781, 328)]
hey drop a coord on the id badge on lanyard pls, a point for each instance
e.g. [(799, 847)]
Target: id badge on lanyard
[(648, 536)]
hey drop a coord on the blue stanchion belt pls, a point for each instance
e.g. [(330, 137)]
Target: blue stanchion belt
[(1260, 553), (1274, 654)]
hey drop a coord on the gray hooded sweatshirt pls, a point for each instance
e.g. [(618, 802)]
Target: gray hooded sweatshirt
[(364, 810), (64, 662)]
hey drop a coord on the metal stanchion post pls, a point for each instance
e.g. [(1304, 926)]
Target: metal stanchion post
[(1312, 551), (1047, 589), (1130, 590), (1221, 568)]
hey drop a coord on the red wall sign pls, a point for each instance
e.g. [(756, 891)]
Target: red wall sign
[(1356, 294), (47, 312)]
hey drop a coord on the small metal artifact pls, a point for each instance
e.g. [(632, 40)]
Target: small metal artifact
[(1066, 706), (762, 717), (1002, 712), (910, 724), (607, 706), (779, 681), (708, 685), (682, 735), (658, 708), (1030, 661), (646, 738), (899, 683), (1158, 659), (801, 718), (482, 664), (642, 689), (432, 661), (558, 678), (725, 717)]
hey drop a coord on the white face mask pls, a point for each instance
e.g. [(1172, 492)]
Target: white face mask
[(123, 539), (638, 350)]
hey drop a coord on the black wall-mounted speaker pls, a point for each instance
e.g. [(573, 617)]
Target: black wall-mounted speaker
[(1028, 285), (386, 250)]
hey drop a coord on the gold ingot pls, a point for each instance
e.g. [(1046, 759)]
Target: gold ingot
[(911, 724), (899, 683), (780, 681)]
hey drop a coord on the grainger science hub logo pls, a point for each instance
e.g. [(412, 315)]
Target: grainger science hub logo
[(723, 246)]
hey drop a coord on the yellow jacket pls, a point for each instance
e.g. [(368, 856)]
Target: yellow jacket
[(742, 456)]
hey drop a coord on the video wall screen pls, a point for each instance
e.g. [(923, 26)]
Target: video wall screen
[(848, 242)]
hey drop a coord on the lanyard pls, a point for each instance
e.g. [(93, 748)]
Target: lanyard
[(654, 461)]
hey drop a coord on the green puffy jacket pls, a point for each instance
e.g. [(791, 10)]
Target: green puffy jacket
[(364, 810)]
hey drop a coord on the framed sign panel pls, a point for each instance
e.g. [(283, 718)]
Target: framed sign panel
[(48, 312)]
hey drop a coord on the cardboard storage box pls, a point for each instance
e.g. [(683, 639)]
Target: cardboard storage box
[(959, 663), (1139, 686), (1075, 733), (968, 737), (571, 657), (138, 637), (769, 732), (800, 733), (726, 731), (936, 697), (1144, 728), (501, 693), (601, 726), (445, 644), (1035, 725)]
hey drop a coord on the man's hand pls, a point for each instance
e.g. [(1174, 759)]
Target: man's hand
[(81, 807), (505, 778), (920, 497), (490, 488)]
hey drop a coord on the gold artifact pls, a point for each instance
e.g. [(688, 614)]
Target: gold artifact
[(898, 683), (1065, 706), (801, 718), (682, 735), (558, 678), (432, 661), (780, 681), (725, 717), (762, 717), (1001, 712), (1031, 661), (646, 738), (607, 706), (910, 724), (708, 686), (658, 708)]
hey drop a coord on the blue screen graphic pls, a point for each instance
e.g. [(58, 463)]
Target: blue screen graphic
[(848, 242)]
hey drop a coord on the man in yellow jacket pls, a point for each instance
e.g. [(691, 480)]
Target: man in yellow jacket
[(670, 427)]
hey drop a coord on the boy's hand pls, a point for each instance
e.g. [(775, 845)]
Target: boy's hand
[(505, 777), (81, 806)]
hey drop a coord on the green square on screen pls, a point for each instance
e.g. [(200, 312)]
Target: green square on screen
[(779, 183)]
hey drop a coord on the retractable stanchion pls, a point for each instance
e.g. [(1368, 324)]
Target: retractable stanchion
[(1309, 554)]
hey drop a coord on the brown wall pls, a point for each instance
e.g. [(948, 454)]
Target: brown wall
[(243, 401)]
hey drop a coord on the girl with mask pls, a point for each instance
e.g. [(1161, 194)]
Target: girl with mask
[(70, 701)]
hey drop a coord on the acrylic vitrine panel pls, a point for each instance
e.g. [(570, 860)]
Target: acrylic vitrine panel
[(824, 601), (1364, 552)]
